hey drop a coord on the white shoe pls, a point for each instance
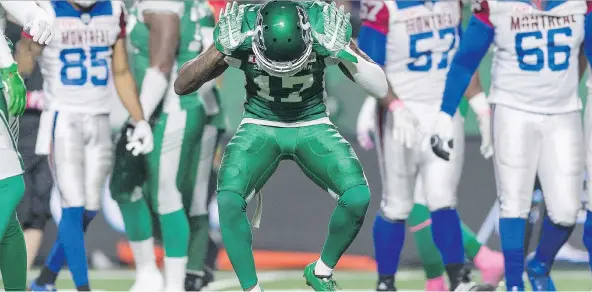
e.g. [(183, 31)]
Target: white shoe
[(148, 279), (571, 254)]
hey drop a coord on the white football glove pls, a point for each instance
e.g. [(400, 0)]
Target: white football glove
[(140, 141), (336, 24), (231, 23), (481, 107), (441, 140), (366, 123), (406, 125), (39, 24)]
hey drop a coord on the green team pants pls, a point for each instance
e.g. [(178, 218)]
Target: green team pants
[(172, 180), (13, 253), (252, 156)]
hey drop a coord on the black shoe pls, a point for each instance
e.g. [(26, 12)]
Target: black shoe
[(459, 276), (198, 281), (386, 283)]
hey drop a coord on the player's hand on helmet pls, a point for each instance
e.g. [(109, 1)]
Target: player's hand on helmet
[(336, 30), (405, 124), (39, 25), (481, 107), (140, 140), (441, 140), (230, 24), (366, 123), (15, 90)]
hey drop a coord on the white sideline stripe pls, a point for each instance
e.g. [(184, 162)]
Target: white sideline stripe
[(267, 277), (229, 277)]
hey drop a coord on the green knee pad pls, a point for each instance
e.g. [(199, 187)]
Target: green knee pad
[(356, 200)]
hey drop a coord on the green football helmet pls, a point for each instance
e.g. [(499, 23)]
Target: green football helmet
[(282, 42)]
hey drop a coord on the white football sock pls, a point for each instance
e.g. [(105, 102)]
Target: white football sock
[(174, 273), (255, 288), (144, 254), (321, 269)]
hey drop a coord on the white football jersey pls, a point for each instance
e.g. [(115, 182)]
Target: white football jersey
[(421, 38), (535, 60), (76, 65)]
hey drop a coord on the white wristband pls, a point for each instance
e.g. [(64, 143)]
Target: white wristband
[(153, 89), (479, 104)]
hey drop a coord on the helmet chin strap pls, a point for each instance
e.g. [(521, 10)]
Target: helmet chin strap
[(84, 3)]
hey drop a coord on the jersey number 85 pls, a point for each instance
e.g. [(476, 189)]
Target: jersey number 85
[(534, 59), (74, 69)]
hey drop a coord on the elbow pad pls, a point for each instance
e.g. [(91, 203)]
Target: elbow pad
[(368, 75)]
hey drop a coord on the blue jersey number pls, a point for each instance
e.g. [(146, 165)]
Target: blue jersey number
[(537, 55), (415, 54), (74, 59)]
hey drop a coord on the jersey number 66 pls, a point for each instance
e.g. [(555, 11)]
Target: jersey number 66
[(534, 59)]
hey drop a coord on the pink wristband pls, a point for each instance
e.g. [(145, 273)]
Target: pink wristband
[(395, 104)]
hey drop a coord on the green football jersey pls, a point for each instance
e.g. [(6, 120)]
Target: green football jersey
[(298, 98), (196, 21)]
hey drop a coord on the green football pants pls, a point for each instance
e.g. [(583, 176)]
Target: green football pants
[(326, 158)]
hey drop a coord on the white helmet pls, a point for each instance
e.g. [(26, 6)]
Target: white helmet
[(85, 3)]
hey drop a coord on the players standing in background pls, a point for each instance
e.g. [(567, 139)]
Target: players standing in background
[(284, 47), (13, 254), (537, 126), (416, 59), (490, 263), (81, 69), (186, 128)]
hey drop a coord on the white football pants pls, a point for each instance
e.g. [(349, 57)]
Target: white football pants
[(528, 143), (403, 169), (81, 157), (588, 142)]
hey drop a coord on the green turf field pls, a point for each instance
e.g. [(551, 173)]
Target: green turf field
[(121, 280)]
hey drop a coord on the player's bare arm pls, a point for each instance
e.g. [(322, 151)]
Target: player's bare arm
[(474, 87), (200, 70), (124, 81), (26, 52), (582, 63), (164, 31)]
